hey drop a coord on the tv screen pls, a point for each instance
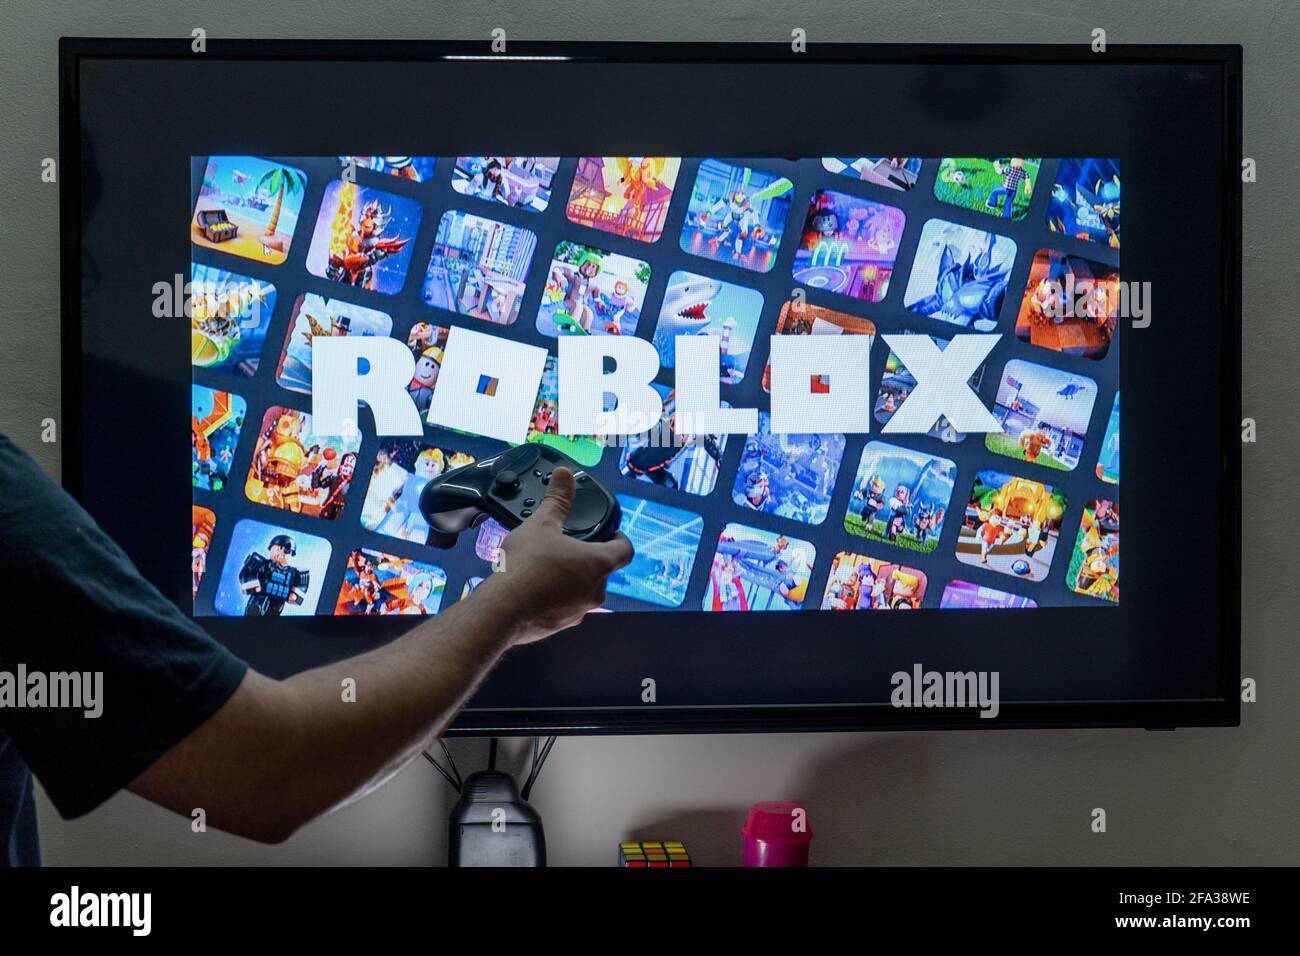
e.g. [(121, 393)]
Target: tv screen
[(827, 384)]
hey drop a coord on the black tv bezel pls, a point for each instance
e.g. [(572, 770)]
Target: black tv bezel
[(1223, 710)]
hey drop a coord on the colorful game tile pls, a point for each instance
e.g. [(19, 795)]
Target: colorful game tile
[(470, 586), (792, 476), (592, 292), (1108, 461), (1011, 525), (271, 571), (798, 317), (891, 172), (688, 463), (960, 275), (363, 237), (314, 315), (294, 470), (666, 540), (962, 595), (755, 570), (626, 195), (417, 169), (426, 342), (544, 428), (999, 187), (900, 497), (248, 207), (849, 245), (1044, 414), (1070, 305), (523, 182), (487, 544), (203, 524), (1085, 201), (697, 305), (479, 267), (736, 215), (402, 468), (377, 583), (858, 582), (229, 315), (897, 383), (1094, 565), (216, 418)]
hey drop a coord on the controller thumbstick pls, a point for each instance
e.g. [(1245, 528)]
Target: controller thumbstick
[(506, 480)]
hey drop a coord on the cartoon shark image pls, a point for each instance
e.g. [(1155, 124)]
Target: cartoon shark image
[(684, 312)]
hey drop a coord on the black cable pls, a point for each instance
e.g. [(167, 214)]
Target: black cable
[(538, 761), (492, 754), (452, 762), (442, 770)]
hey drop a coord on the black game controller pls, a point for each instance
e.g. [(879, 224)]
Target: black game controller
[(509, 487)]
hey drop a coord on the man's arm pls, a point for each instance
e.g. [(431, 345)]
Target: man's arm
[(281, 753)]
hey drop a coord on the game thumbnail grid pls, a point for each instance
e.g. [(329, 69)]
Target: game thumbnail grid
[(533, 248)]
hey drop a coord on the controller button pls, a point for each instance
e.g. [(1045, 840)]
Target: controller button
[(507, 480), (525, 513), (529, 502), (537, 474), (546, 479)]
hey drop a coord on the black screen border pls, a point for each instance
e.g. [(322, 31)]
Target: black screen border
[(1220, 710)]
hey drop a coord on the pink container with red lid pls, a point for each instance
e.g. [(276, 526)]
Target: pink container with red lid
[(777, 833)]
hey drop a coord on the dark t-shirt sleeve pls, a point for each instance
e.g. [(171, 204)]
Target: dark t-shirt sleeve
[(77, 604)]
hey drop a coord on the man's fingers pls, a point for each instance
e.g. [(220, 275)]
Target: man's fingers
[(559, 497), (617, 551)]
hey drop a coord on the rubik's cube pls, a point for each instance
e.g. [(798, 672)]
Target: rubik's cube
[(643, 855)]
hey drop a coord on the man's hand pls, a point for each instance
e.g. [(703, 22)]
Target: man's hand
[(553, 580)]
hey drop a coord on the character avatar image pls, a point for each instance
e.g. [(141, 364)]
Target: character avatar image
[(315, 316), (626, 195), (892, 172), (900, 497), (479, 267), (858, 582), (1094, 566), (248, 207), (966, 596), (295, 471), (203, 524), (960, 275), (592, 292), (1044, 414), (363, 237), (216, 418), (1001, 187), (229, 315), (665, 540), (376, 583), (755, 570), (523, 182), (736, 215), (897, 384), (1010, 525), (791, 476), (1070, 305), (426, 343), (666, 457), (1085, 201), (798, 317), (270, 582), (417, 169), (697, 305), (402, 469), (849, 245)]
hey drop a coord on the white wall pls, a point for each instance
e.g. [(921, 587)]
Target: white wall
[(1192, 796)]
